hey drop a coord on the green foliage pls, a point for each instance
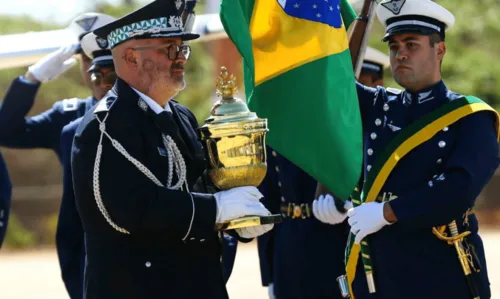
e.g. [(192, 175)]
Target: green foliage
[(472, 61), (15, 24), (17, 235)]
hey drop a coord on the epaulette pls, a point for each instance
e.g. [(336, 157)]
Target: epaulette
[(70, 104), (393, 90), (105, 104)]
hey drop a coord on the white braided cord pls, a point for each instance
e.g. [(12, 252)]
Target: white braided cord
[(175, 163)]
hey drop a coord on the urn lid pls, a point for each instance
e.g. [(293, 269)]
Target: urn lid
[(228, 108)]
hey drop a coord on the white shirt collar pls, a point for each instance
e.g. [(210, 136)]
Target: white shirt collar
[(151, 103)]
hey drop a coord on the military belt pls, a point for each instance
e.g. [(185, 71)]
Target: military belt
[(296, 211)]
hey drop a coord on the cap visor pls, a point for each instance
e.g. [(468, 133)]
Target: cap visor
[(408, 29)]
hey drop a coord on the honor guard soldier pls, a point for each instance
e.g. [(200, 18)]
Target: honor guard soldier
[(299, 257), (70, 232), (428, 154), (136, 158), (5, 196), (44, 130)]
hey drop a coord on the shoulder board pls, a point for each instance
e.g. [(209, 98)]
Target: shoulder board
[(70, 104), (104, 105), (393, 90)]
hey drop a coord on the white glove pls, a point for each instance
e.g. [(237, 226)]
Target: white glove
[(54, 64), (239, 202), (324, 210), (254, 231), (366, 219), (270, 290)]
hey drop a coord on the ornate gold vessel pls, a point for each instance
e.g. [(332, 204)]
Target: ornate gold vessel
[(235, 139)]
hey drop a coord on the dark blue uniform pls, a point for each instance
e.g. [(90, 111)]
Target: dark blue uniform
[(5, 196), (434, 184), (70, 235), (44, 131), (40, 131), (152, 261), (301, 256), (230, 246)]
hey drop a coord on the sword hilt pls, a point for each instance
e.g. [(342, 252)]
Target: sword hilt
[(462, 257)]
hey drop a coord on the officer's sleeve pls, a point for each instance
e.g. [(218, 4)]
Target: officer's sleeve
[(16, 130), (5, 196), (133, 200), (366, 98), (265, 242), (469, 168)]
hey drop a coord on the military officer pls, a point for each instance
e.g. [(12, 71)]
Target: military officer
[(299, 256), (44, 131), (428, 153), (5, 196), (136, 158), (71, 247)]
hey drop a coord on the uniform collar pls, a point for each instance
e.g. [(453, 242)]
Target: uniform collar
[(428, 95), (152, 104)]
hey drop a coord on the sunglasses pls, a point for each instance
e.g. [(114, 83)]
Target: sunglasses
[(172, 50)]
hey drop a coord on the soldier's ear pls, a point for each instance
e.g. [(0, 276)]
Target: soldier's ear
[(441, 50)]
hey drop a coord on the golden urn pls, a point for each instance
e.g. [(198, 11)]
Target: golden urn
[(235, 139)]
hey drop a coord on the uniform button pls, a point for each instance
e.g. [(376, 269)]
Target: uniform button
[(370, 152), (274, 154), (1, 223), (279, 184), (434, 176), (282, 199), (148, 264), (386, 107), (431, 184), (192, 238), (277, 169), (378, 122), (202, 240), (445, 129), (439, 161), (373, 136), (368, 167), (442, 144)]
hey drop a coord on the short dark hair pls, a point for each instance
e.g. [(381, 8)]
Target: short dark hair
[(434, 39)]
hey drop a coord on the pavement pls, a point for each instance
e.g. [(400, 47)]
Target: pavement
[(35, 274)]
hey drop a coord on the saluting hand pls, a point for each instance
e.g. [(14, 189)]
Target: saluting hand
[(54, 64)]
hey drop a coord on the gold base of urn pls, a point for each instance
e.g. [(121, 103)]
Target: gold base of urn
[(235, 142)]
